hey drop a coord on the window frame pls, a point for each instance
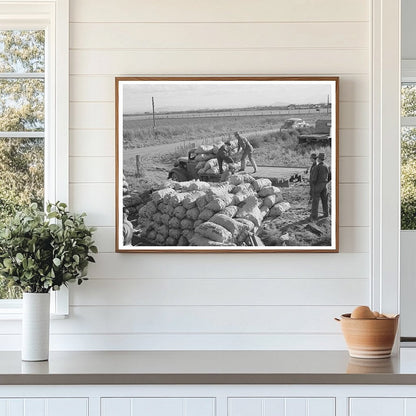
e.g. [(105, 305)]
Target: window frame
[(385, 156), (53, 17), (408, 75)]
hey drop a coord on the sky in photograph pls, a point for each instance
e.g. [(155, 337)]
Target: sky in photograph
[(186, 96)]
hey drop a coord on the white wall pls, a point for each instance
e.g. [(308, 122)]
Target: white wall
[(173, 301)]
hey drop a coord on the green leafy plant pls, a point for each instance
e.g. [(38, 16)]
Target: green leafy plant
[(43, 251)]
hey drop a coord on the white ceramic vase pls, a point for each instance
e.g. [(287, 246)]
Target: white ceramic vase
[(35, 326)]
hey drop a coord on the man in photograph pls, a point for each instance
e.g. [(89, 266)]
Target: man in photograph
[(320, 176), (225, 177), (247, 149), (313, 165), (224, 155)]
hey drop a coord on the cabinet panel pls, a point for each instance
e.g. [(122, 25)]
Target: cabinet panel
[(15, 407), (377, 407), (44, 407), (119, 407), (34, 407), (199, 407), (281, 406), (410, 406), (275, 407), (296, 407), (3, 408), (157, 406), (245, 407), (383, 407), (318, 407), (67, 407)]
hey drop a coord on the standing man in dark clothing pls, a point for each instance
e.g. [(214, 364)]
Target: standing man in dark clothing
[(247, 148), (320, 176), (224, 155), (313, 161)]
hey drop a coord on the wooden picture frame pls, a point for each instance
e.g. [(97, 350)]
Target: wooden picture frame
[(184, 128)]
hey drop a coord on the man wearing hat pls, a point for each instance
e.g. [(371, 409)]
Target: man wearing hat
[(247, 149), (313, 161), (224, 155), (320, 176)]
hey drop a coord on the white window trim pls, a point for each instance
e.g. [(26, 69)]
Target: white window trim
[(54, 16), (385, 96)]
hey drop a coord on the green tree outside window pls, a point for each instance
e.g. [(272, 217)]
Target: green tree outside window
[(408, 160), (22, 65)]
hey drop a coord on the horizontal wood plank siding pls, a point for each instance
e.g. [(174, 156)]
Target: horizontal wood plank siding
[(283, 61), (219, 11), (218, 35), (99, 88), (173, 301), (221, 291)]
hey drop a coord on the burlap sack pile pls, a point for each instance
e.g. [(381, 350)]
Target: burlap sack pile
[(199, 213)]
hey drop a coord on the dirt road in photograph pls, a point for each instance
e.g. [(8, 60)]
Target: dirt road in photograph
[(171, 147)]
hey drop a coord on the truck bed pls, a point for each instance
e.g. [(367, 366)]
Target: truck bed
[(314, 137)]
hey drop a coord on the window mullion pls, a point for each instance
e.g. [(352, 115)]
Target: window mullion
[(408, 121), (22, 75), (22, 134)]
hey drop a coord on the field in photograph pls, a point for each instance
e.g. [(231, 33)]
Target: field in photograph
[(158, 150), (149, 154), (139, 132)]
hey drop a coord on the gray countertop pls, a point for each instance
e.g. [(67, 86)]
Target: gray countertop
[(207, 367)]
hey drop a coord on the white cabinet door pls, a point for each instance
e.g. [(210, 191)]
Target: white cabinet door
[(377, 407), (382, 406), (270, 406), (44, 407), (160, 406)]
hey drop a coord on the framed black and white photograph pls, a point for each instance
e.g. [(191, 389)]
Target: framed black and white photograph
[(227, 164)]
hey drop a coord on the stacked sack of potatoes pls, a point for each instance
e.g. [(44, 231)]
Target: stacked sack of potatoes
[(206, 158), (210, 214), (130, 203), (132, 200)]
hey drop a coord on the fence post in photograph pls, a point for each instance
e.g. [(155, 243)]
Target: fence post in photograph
[(154, 121), (139, 168)]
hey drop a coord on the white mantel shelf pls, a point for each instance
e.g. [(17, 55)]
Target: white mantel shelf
[(207, 367)]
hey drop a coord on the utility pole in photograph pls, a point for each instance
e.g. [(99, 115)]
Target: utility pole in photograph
[(154, 120)]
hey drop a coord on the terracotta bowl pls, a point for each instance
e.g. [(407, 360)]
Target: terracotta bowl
[(369, 338)]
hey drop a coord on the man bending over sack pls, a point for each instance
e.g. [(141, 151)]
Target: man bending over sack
[(224, 155), (247, 148), (225, 177)]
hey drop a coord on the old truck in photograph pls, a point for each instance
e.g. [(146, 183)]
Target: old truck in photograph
[(185, 170), (321, 133), (293, 124)]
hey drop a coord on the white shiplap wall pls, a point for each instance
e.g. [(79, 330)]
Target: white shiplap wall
[(173, 301)]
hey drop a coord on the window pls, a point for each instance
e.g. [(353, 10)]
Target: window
[(33, 111), (22, 124), (408, 154)]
